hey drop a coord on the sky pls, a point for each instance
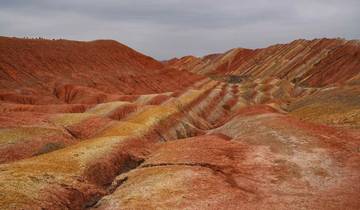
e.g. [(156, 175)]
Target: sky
[(165, 29)]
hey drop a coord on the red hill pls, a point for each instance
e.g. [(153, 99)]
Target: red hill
[(318, 62), (32, 69)]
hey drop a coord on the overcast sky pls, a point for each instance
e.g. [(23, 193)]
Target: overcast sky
[(169, 28)]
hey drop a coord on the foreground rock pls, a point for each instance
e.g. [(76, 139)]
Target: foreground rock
[(279, 166)]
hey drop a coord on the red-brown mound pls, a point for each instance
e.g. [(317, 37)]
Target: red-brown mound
[(35, 71)]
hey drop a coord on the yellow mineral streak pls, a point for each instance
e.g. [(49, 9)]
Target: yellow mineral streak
[(14, 135), (22, 181), (106, 108), (68, 119)]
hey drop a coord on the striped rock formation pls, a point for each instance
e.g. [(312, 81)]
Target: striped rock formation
[(176, 140), (318, 62)]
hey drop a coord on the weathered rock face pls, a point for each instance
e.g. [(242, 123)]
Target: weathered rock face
[(318, 62), (181, 141)]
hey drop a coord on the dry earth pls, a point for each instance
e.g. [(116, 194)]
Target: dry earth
[(97, 125)]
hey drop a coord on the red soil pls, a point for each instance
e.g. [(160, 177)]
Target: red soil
[(46, 71), (97, 125)]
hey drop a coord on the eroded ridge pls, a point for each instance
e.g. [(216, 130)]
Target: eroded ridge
[(214, 143)]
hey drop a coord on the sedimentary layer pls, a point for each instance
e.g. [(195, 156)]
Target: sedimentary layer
[(173, 139)]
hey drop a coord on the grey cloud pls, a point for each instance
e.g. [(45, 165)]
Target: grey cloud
[(168, 28)]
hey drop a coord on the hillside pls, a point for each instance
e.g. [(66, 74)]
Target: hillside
[(38, 71), (97, 125), (318, 62)]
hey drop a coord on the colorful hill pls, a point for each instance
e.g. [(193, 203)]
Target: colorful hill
[(318, 62), (97, 125)]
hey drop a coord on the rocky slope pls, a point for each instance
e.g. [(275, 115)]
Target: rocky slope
[(318, 62), (179, 141)]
